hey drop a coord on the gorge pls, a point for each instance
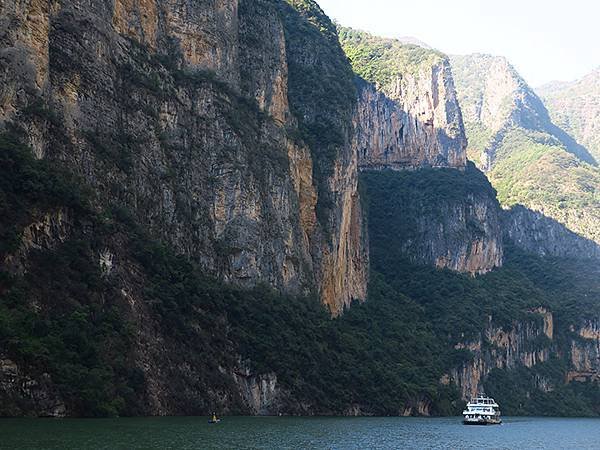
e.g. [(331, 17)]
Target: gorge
[(238, 205)]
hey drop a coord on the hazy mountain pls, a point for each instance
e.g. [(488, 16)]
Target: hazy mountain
[(529, 159), (411, 40), (575, 107)]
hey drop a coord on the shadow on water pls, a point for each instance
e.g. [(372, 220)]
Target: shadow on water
[(297, 432)]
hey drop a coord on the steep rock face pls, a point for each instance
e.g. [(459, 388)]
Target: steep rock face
[(575, 107), (407, 117), (260, 392), (468, 240), (536, 233), (179, 111), (500, 348), (28, 394), (52, 229), (417, 124), (529, 343), (585, 352), (408, 114), (413, 213)]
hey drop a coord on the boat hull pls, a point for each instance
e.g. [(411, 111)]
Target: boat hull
[(482, 422)]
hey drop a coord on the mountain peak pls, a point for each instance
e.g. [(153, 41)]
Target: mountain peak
[(495, 96)]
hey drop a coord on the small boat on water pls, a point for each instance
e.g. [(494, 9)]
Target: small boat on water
[(214, 419), (482, 410)]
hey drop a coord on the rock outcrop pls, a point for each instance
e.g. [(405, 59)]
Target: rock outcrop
[(408, 115), (528, 343), (464, 237), (23, 395), (260, 392), (535, 233), (585, 352), (415, 214), (417, 124), (502, 348)]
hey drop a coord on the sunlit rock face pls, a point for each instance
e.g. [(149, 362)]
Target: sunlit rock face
[(414, 123), (525, 343), (409, 119), (180, 112)]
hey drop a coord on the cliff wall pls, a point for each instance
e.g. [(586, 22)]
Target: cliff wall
[(180, 111), (415, 123), (530, 343), (415, 214), (525, 343), (535, 233)]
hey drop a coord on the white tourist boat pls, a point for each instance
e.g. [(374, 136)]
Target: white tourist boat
[(482, 410)]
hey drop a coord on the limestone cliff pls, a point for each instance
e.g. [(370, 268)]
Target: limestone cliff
[(408, 114), (416, 214), (585, 351), (538, 234), (525, 343), (418, 124), (181, 112), (210, 149), (408, 117), (530, 343)]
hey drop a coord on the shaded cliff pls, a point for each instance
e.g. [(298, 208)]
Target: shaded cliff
[(574, 106), (535, 233), (442, 217)]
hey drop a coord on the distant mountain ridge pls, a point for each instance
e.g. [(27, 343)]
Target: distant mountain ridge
[(529, 159), (411, 40), (575, 107), (494, 96)]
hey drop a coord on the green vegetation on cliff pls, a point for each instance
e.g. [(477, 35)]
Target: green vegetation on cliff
[(381, 61), (457, 307), (68, 319), (59, 316)]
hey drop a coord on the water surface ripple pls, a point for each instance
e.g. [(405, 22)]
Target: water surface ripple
[(298, 433)]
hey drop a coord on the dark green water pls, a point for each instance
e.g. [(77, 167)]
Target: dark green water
[(297, 433)]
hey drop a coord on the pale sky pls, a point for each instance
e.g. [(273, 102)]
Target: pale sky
[(545, 40)]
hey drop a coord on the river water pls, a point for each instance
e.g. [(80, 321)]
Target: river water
[(298, 433)]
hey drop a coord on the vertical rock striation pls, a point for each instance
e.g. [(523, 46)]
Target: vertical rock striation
[(408, 117), (502, 348), (180, 112), (416, 124), (408, 114)]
